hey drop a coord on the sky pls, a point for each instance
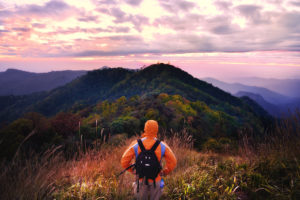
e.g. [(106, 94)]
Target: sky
[(207, 38)]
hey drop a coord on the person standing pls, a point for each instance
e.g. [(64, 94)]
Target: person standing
[(148, 152)]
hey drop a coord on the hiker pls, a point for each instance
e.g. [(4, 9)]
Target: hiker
[(148, 168)]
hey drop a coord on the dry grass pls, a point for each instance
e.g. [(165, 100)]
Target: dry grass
[(90, 175), (198, 175), (31, 179)]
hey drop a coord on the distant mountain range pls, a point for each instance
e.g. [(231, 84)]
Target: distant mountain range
[(233, 88), (17, 82), (112, 83), (58, 86), (271, 108), (273, 102), (287, 87)]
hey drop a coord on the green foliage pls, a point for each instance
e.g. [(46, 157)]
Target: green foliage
[(267, 170), (111, 84), (276, 178), (173, 112), (152, 114), (65, 124), (118, 140), (12, 136), (212, 145), (111, 96), (125, 124), (224, 145), (97, 189)]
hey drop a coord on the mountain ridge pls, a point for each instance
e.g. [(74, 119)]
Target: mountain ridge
[(113, 83), (233, 88), (271, 108), (276, 104), (289, 87), (19, 82)]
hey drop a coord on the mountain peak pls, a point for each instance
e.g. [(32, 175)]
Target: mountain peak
[(163, 70), (13, 70), (113, 83), (163, 67)]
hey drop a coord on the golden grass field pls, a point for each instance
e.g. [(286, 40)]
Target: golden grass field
[(265, 170)]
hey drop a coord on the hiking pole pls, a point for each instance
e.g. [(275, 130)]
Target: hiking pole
[(133, 165)]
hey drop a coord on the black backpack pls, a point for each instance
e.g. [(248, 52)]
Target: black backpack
[(147, 164)]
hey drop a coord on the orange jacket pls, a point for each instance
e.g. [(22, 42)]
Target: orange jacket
[(149, 138)]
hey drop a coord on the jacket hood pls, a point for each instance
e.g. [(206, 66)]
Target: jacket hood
[(151, 128)]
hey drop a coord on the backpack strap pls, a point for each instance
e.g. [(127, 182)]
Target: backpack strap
[(155, 145), (163, 149), (141, 145), (135, 148)]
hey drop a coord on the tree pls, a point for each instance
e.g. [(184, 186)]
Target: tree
[(65, 124), (13, 135), (125, 124)]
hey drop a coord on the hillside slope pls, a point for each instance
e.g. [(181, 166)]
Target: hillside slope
[(272, 109), (164, 78), (233, 88), (287, 87), (17, 82), (113, 83)]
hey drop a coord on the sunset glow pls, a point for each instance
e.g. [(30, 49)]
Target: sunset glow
[(205, 38)]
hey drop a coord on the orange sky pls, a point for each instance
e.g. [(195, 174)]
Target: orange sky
[(206, 38)]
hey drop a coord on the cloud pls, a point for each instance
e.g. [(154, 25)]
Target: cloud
[(51, 8), (5, 13), (110, 29), (291, 22), (138, 21), (179, 5), (165, 44), (222, 29), (120, 29), (252, 12), (134, 2), (295, 3), (90, 18), (21, 29), (38, 25), (193, 22), (56, 28), (119, 45), (105, 2), (126, 38), (223, 5), (248, 10), (121, 17), (118, 14), (221, 25), (92, 53), (189, 22), (103, 10)]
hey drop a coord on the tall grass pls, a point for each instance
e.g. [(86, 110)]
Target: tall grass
[(265, 170), (276, 160), (32, 178)]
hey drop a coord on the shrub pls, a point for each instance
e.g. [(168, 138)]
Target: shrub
[(212, 145)]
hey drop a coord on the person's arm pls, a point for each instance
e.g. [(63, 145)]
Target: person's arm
[(170, 161), (127, 157)]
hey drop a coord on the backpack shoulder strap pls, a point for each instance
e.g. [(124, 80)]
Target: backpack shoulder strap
[(155, 145), (141, 145)]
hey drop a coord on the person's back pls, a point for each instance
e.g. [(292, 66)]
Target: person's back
[(146, 187)]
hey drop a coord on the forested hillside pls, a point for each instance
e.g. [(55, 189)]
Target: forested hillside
[(110, 84), (119, 101), (17, 82), (67, 143)]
